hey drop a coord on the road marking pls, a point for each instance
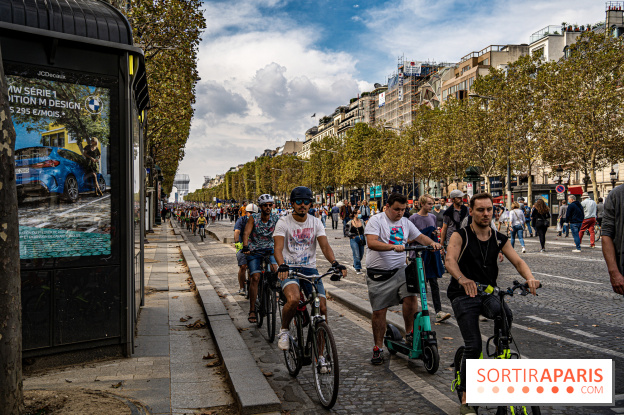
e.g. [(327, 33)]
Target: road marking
[(570, 244), (583, 333), (619, 397), (577, 258), (80, 207), (91, 229), (41, 225), (566, 278), (399, 367), (539, 319)]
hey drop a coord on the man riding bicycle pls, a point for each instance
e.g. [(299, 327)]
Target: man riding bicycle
[(194, 216), (241, 258), (295, 249), (472, 257), (258, 243)]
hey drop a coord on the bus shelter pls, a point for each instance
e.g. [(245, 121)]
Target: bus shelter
[(78, 94)]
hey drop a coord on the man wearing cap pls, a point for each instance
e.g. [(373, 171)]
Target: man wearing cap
[(241, 258), (453, 216), (589, 211)]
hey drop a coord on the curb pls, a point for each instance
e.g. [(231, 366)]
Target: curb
[(252, 391)]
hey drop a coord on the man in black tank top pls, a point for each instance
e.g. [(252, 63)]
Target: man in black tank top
[(472, 257)]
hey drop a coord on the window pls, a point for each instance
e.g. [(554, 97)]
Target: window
[(485, 62), (538, 52)]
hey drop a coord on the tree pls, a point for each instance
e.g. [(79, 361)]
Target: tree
[(585, 106), (11, 392)]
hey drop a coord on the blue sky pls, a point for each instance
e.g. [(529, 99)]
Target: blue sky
[(268, 65)]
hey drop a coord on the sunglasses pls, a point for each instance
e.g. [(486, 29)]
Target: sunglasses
[(266, 205), (302, 202)]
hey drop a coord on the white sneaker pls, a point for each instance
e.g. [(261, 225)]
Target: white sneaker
[(523, 250), (441, 316), (322, 365), (576, 250), (283, 341), (241, 291)]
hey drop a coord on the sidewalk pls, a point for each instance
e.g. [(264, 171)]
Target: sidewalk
[(175, 369)]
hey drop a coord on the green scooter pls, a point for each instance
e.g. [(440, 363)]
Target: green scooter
[(425, 345)]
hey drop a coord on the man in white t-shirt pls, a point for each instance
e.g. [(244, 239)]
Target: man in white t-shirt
[(386, 236), (295, 239)]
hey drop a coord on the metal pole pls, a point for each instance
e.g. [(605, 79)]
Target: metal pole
[(508, 182), (413, 187)]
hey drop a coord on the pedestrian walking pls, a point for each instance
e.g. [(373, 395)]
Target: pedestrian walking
[(575, 216), (357, 240), (589, 212), (540, 217), (425, 222), (324, 216), (613, 237), (335, 215), (439, 214), (365, 211), (516, 217), (599, 212), (453, 216), (345, 214), (526, 209), (563, 225)]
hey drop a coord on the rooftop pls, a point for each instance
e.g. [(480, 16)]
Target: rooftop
[(491, 48), (547, 31)]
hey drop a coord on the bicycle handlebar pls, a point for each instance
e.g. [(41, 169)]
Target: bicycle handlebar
[(311, 278), (488, 289)]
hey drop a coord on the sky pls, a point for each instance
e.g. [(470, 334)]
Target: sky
[(267, 66)]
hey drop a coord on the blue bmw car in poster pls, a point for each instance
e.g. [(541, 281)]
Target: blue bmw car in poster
[(50, 171)]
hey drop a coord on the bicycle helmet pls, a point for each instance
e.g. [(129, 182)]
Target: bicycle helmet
[(265, 199), (251, 208), (301, 192)]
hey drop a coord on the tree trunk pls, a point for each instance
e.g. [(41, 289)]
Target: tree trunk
[(11, 393), (529, 200), (488, 185)]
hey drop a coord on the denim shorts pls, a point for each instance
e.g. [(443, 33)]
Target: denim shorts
[(304, 284), (241, 258), (254, 261)]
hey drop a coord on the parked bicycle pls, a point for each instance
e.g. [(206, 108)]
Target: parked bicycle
[(501, 343), (318, 349), (266, 302)]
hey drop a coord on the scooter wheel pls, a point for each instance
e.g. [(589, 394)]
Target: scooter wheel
[(431, 358)]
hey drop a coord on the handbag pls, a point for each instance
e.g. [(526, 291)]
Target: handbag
[(360, 240)]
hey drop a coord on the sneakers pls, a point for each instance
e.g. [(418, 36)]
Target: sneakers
[(592, 246), (542, 250), (441, 316), (283, 341), (241, 291), (464, 409), (523, 250), (377, 356), (576, 250), (358, 271), (322, 365)]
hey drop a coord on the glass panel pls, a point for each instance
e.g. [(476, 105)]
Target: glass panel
[(64, 207)]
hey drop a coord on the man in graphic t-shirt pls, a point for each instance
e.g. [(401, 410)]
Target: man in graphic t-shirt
[(295, 238), (386, 236)]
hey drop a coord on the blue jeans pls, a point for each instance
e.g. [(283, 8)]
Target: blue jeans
[(358, 253), (254, 261), (345, 228), (305, 285), (528, 224), (575, 228), (323, 219), (467, 311), (517, 229)]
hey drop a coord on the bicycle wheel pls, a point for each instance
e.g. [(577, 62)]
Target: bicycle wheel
[(292, 356), (457, 361), (325, 366), (260, 304), (271, 313)]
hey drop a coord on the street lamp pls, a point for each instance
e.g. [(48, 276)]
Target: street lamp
[(559, 174), (613, 175)]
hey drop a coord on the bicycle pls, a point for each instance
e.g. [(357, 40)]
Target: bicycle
[(502, 341), (202, 232), (266, 302), (318, 344)]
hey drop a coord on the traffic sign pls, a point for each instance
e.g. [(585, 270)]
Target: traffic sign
[(560, 196), (560, 188)]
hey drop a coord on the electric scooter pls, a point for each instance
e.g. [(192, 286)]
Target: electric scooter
[(425, 345)]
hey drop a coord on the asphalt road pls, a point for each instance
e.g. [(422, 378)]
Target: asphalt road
[(576, 315)]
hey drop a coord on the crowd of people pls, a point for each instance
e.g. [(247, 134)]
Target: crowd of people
[(469, 237)]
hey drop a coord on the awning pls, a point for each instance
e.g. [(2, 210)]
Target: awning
[(575, 190)]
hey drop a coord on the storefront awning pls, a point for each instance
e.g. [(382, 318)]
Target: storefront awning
[(575, 190)]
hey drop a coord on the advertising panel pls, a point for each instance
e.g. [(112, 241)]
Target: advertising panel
[(62, 166), (382, 99)]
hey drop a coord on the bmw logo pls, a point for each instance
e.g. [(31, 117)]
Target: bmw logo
[(94, 104)]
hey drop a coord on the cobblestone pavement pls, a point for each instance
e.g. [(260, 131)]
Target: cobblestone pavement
[(576, 315)]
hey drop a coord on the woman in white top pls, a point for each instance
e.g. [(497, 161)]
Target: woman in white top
[(516, 217)]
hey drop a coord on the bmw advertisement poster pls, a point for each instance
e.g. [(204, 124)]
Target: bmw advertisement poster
[(62, 167)]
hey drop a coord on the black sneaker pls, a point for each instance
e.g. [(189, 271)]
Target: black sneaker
[(377, 356)]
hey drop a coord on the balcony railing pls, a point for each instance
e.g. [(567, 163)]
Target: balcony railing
[(547, 31)]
